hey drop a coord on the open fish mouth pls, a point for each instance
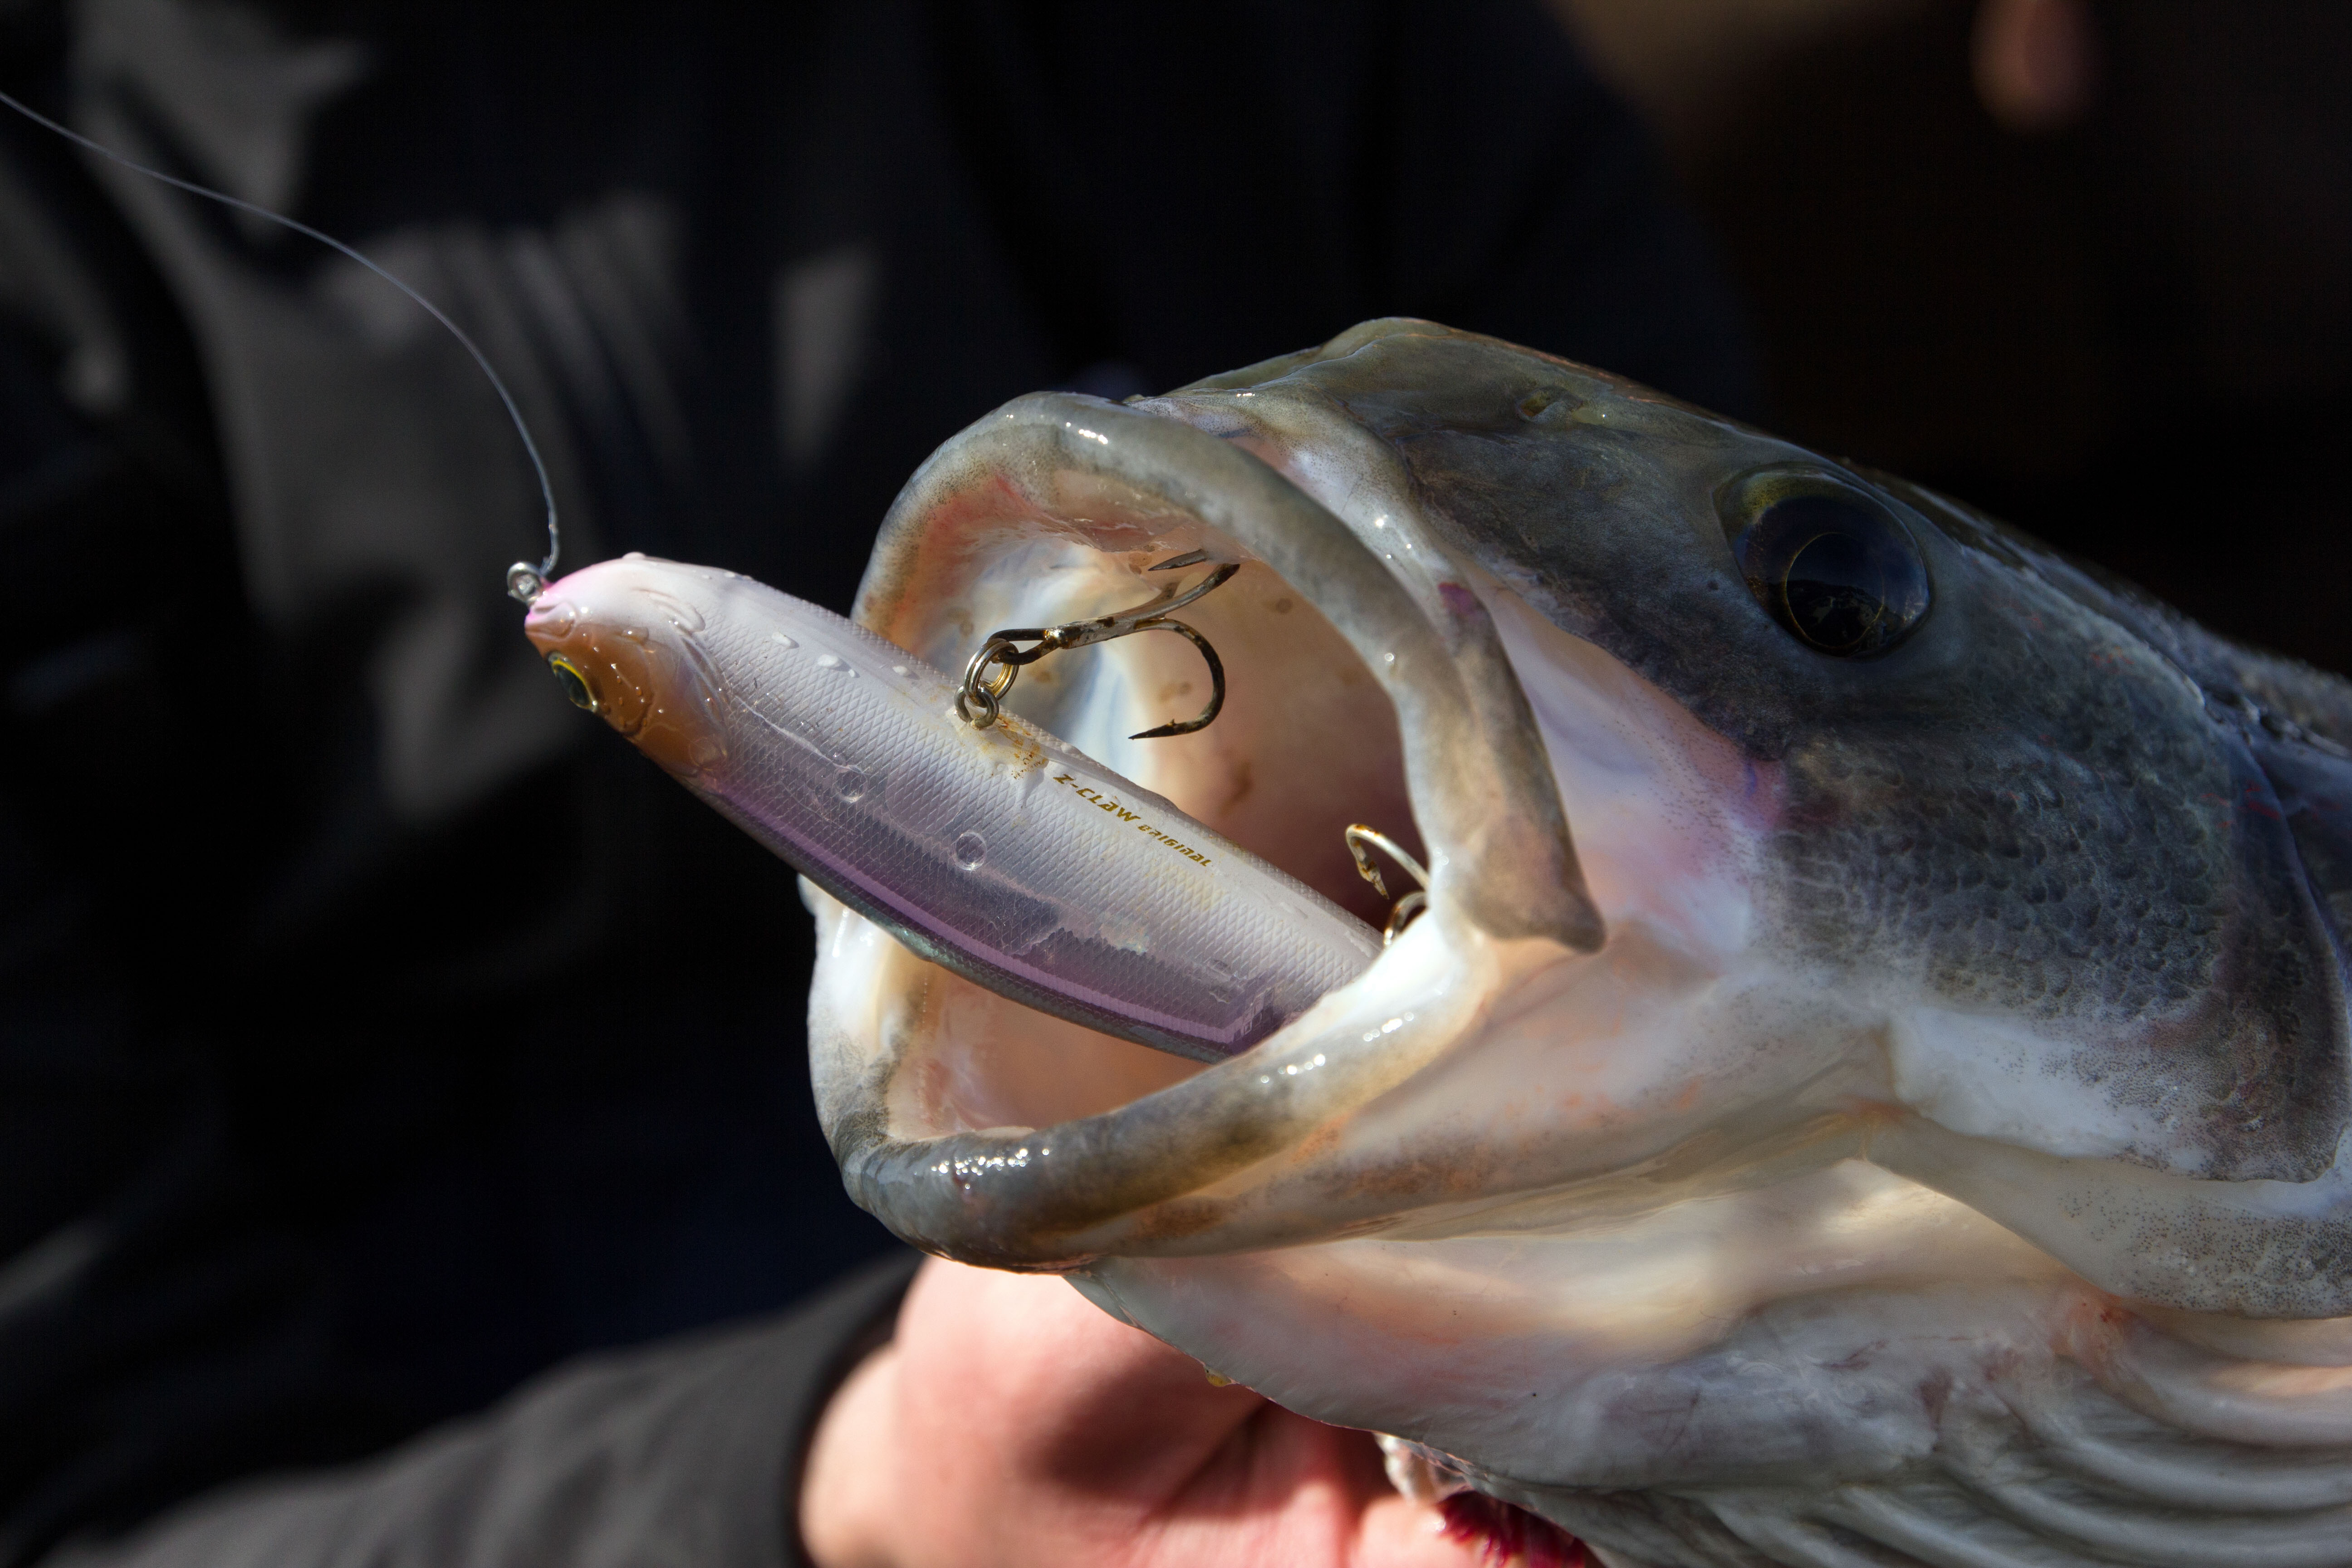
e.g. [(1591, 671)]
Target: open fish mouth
[(1870, 1085), (1368, 684)]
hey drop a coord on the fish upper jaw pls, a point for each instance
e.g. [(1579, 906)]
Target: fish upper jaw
[(1098, 478)]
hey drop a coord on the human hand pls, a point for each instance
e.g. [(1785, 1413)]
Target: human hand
[(1012, 1422)]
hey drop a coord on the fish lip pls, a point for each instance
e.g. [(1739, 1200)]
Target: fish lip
[(1504, 868)]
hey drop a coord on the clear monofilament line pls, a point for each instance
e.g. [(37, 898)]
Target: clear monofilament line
[(523, 580)]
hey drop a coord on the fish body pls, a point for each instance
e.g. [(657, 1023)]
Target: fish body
[(1871, 1086), (1002, 853)]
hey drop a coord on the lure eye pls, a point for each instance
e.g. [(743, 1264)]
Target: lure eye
[(576, 684), (1833, 566)]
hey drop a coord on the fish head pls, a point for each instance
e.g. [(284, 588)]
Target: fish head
[(1879, 1010)]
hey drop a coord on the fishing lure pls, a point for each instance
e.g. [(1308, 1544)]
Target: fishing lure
[(998, 851)]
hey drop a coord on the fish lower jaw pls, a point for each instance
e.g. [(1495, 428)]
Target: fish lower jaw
[(986, 1130)]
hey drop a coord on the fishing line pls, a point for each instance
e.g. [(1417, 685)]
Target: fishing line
[(524, 581)]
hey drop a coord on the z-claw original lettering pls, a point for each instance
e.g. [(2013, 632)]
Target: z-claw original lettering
[(1096, 799)]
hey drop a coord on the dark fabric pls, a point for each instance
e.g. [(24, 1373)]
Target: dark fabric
[(684, 1455), (375, 1030)]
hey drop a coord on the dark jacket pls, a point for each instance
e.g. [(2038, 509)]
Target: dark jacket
[(374, 1029)]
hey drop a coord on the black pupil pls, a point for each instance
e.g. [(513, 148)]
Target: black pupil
[(1840, 576), (573, 687)]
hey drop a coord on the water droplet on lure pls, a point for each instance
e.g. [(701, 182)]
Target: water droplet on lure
[(970, 849), (834, 661), (850, 784), (780, 640)]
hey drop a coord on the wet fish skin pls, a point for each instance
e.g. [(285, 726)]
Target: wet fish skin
[(1916, 1136)]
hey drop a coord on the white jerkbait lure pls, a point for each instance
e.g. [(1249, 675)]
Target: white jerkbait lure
[(1002, 853)]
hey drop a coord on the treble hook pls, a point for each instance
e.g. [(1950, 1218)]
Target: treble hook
[(986, 691), (1403, 911)]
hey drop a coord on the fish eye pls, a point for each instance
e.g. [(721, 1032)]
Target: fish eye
[(576, 684), (1834, 566)]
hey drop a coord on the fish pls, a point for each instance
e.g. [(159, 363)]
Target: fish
[(996, 850), (1872, 1083)]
